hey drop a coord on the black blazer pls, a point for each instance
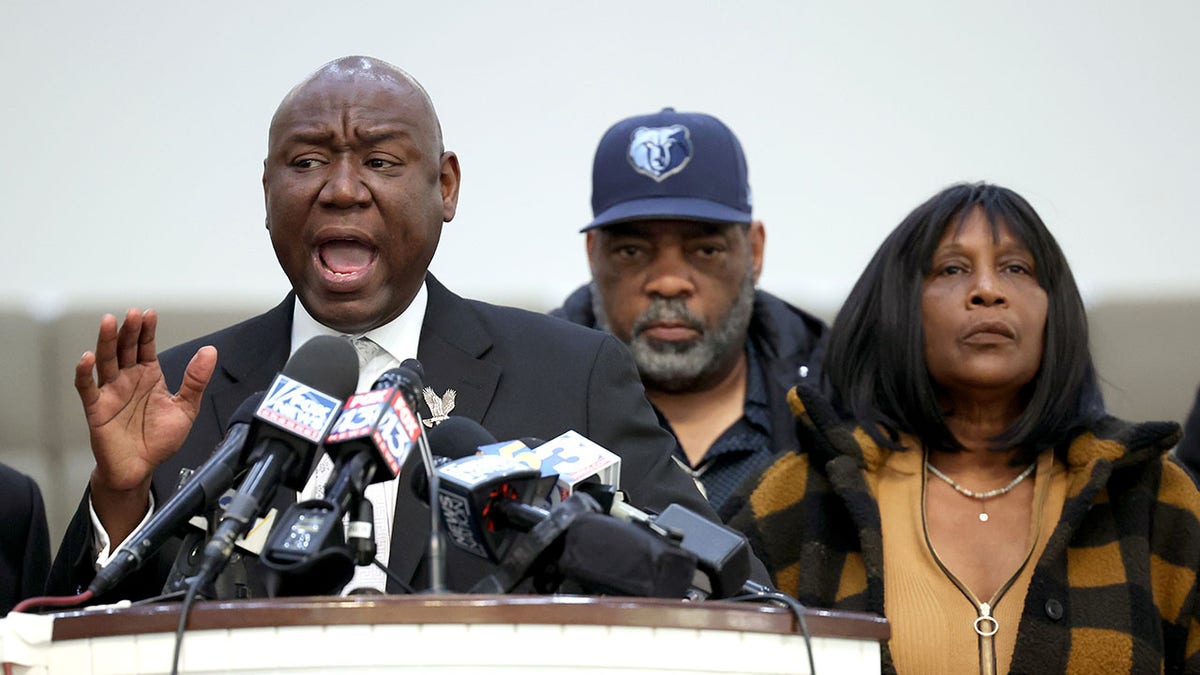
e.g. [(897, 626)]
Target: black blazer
[(24, 539), (1187, 452), (517, 373)]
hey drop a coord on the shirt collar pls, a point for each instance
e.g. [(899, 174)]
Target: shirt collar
[(399, 337)]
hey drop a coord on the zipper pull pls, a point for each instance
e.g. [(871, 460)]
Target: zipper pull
[(986, 625)]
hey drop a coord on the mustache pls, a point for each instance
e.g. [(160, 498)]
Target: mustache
[(674, 310)]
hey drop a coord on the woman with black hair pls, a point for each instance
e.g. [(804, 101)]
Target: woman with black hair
[(974, 470)]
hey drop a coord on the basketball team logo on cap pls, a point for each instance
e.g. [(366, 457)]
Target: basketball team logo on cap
[(660, 152)]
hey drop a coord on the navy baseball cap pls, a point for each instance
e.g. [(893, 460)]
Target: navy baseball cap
[(669, 165)]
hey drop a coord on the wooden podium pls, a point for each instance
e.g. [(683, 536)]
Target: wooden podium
[(564, 635)]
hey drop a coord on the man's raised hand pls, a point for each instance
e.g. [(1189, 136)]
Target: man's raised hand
[(134, 422)]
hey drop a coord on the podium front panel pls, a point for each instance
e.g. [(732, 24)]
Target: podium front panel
[(453, 634)]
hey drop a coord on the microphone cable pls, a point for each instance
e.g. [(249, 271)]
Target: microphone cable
[(53, 601), (758, 593), (393, 578), (189, 599)]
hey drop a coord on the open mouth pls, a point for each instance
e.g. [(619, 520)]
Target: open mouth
[(345, 262)]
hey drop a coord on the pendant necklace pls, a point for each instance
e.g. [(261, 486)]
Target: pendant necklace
[(981, 496)]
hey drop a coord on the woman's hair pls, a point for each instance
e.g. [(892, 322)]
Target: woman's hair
[(876, 357)]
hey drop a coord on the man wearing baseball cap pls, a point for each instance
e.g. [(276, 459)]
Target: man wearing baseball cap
[(675, 255)]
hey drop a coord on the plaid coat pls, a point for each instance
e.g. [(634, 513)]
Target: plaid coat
[(1115, 590)]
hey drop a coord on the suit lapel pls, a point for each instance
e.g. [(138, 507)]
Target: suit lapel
[(262, 350), (453, 342)]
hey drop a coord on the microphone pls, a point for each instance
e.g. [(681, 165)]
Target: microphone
[(455, 438), (379, 423), (369, 442), (199, 494), (571, 457), (483, 498), (487, 510), (487, 503), (408, 378), (723, 554), (308, 554), (296, 413), (458, 437)]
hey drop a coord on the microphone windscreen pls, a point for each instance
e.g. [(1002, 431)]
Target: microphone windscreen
[(458, 437), (326, 363), (416, 368), (609, 557), (245, 412), (455, 438), (389, 379)]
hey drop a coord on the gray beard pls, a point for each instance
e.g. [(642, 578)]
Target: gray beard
[(681, 366)]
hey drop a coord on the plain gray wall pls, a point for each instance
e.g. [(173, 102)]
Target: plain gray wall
[(134, 131)]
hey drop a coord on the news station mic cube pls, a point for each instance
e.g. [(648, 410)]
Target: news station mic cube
[(571, 456), (470, 489), (382, 419)]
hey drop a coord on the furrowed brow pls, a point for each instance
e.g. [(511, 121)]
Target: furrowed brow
[(310, 137), (383, 135)]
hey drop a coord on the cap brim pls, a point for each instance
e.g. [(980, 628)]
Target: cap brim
[(668, 208)]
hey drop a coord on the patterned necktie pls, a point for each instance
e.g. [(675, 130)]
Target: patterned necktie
[(368, 350), (373, 360)]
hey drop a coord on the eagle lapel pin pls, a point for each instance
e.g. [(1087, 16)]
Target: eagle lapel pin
[(439, 407)]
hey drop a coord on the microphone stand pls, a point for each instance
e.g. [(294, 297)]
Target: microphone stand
[(409, 377), (437, 540)]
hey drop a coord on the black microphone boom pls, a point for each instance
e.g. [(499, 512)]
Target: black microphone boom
[(199, 494)]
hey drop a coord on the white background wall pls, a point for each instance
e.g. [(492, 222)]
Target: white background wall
[(133, 132)]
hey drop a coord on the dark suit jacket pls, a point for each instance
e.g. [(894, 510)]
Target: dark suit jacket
[(517, 373), (1188, 450), (24, 539)]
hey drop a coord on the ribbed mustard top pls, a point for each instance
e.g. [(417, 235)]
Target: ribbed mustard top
[(932, 620)]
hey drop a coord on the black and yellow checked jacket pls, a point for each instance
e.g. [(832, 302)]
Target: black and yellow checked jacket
[(1114, 592)]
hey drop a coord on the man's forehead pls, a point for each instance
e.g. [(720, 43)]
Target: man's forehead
[(377, 107)]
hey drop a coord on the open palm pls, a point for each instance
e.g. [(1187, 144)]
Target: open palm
[(134, 422)]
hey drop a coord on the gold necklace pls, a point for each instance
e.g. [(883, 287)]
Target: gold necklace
[(981, 496)]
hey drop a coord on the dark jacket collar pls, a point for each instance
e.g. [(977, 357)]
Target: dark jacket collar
[(262, 348), (454, 339)]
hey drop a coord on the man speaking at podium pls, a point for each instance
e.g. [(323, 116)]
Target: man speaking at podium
[(357, 186)]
